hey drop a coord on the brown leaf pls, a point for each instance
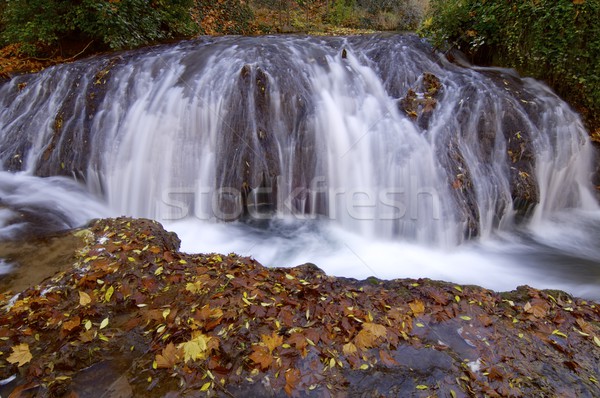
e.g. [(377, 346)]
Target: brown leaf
[(386, 358), (261, 356), (298, 340), (292, 377), (169, 357), (20, 355), (71, 324)]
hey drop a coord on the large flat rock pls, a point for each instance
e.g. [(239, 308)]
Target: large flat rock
[(129, 315)]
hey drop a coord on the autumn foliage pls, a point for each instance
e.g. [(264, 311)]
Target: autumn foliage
[(172, 324)]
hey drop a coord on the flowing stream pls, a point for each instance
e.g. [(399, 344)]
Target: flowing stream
[(366, 155)]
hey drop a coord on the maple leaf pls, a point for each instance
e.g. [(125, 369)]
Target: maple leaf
[(273, 341), (375, 329), (168, 357), (196, 348), (20, 355), (261, 356), (417, 307), (368, 336)]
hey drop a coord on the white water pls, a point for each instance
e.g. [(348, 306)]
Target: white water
[(362, 189)]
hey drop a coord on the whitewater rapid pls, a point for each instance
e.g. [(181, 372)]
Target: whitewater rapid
[(368, 156)]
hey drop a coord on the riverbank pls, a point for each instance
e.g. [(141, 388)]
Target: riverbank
[(138, 317)]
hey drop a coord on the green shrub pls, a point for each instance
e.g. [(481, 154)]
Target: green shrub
[(113, 24), (557, 41)]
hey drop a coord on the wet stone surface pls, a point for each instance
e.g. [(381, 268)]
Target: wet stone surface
[(131, 315)]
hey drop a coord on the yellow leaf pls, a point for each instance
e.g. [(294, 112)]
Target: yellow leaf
[(84, 298), (104, 323), (597, 341), (88, 325), (196, 348), (417, 307), (557, 332), (465, 318), (349, 349), (364, 366), (195, 287), (20, 355), (273, 341), (205, 386), (375, 329), (109, 293), (422, 387)]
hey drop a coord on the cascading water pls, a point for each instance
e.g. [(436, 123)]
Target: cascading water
[(365, 155)]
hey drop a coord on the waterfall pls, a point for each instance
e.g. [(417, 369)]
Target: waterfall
[(378, 135)]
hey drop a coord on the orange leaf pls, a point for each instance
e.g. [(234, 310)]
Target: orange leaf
[(292, 377), (261, 356)]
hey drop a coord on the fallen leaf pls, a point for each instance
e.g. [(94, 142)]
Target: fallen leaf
[(292, 377), (272, 341), (261, 356), (417, 307), (169, 357), (109, 293), (71, 324), (20, 355), (349, 349), (196, 348), (84, 299), (387, 359)]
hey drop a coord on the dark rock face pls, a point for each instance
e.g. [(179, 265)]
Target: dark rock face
[(132, 315)]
